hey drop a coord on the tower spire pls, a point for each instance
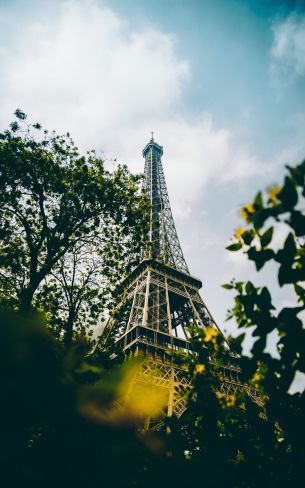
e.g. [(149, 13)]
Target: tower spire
[(164, 244)]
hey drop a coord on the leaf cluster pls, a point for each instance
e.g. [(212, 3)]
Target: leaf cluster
[(254, 307), (69, 228)]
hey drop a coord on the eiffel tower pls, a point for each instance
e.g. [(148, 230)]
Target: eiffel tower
[(158, 302)]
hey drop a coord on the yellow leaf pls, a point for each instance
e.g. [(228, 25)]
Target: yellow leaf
[(210, 334), (230, 400), (226, 400), (249, 208), (257, 377), (147, 400), (132, 398), (246, 210), (142, 398), (273, 193), (199, 368), (220, 395), (239, 232)]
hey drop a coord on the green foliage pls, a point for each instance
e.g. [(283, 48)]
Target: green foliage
[(55, 205), (53, 432), (69, 232), (234, 247), (254, 308), (222, 434)]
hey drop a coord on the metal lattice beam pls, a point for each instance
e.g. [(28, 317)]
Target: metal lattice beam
[(164, 243)]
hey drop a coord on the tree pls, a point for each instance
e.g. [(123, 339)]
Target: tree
[(254, 308), (225, 437), (78, 291), (75, 293), (51, 199)]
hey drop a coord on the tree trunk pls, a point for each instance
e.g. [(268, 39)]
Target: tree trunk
[(26, 297), (69, 329)]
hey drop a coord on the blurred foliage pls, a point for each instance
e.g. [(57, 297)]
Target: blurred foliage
[(69, 228), (55, 421), (68, 417), (281, 207)]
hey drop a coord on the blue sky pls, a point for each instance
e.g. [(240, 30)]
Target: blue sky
[(228, 43), (221, 82)]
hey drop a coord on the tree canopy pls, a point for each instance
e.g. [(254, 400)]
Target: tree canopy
[(56, 207)]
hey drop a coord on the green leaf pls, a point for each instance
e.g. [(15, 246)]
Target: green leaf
[(260, 257), (298, 174), (259, 345), (297, 222), (265, 298), (258, 201), (288, 275), (250, 288), (14, 126), (266, 237), (248, 237), (287, 254), (300, 291), (227, 286), (19, 114), (288, 196), (234, 247)]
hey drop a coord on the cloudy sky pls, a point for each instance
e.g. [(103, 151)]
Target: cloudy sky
[(220, 82)]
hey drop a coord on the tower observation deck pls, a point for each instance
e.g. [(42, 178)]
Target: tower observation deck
[(160, 300)]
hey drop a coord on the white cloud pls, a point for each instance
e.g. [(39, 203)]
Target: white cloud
[(237, 265), (86, 71), (288, 48), (195, 152)]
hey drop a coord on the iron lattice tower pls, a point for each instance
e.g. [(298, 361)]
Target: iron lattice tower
[(160, 299), (164, 242)]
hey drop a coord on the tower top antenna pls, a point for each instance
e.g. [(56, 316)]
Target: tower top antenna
[(152, 136)]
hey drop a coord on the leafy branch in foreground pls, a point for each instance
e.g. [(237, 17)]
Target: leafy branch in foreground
[(281, 205)]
